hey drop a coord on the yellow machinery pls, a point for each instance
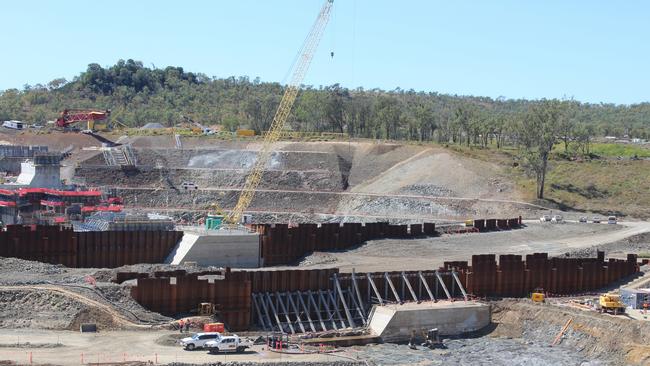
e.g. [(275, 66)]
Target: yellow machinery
[(537, 297), (469, 223), (610, 302), (245, 133), (299, 70)]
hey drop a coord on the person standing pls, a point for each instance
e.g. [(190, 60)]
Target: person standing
[(187, 325), (181, 323)]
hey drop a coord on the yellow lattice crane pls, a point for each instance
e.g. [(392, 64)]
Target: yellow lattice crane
[(299, 70)]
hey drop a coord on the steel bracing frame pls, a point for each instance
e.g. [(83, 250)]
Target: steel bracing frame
[(343, 305)]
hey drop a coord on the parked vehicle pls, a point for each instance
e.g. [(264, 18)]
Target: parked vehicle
[(545, 218), (556, 219), (189, 186), (228, 344), (612, 220), (595, 220), (583, 219), (199, 340), (15, 125)]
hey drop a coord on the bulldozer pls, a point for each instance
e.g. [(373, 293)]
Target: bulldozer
[(610, 302)]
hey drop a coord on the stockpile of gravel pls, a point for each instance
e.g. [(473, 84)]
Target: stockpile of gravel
[(639, 244), (20, 271), (474, 351)]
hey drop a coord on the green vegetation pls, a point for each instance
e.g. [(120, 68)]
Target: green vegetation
[(138, 95), (525, 135), (620, 187), (616, 150)]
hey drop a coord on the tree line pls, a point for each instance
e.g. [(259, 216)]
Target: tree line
[(137, 95)]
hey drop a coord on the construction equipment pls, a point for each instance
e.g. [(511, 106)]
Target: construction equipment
[(537, 297), (199, 127), (610, 302), (206, 309), (432, 339), (299, 70), (71, 116)]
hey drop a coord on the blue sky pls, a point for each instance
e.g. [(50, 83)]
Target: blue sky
[(594, 51)]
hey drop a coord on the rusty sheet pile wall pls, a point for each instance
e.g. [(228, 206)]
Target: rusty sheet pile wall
[(514, 277), (99, 249), (175, 292), (282, 244)]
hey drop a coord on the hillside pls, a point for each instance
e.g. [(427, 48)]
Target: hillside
[(361, 177), (138, 95)]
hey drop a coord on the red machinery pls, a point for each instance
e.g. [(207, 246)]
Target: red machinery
[(70, 116)]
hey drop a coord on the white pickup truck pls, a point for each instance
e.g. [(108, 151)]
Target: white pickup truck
[(228, 344), (199, 340)]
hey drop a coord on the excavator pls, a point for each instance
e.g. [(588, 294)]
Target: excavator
[(298, 71)]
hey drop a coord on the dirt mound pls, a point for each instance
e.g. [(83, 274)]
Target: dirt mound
[(638, 244), (609, 339)]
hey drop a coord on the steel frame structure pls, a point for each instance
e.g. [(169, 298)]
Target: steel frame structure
[(338, 308)]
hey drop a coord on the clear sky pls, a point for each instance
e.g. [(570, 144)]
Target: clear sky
[(594, 51)]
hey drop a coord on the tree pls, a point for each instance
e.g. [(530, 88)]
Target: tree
[(567, 123), (538, 133)]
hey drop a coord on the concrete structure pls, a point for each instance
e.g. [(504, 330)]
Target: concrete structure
[(635, 297), (221, 248), (396, 323), (43, 172), (11, 156)]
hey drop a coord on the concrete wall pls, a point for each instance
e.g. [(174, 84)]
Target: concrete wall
[(395, 323), (218, 249), (40, 175)]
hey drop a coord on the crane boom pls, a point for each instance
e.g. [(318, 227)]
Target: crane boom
[(299, 70)]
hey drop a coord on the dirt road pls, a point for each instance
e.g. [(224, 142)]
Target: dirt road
[(430, 253), (74, 348)]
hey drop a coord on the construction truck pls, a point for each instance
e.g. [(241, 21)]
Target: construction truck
[(610, 302)]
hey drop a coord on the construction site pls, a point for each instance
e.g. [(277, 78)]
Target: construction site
[(185, 246)]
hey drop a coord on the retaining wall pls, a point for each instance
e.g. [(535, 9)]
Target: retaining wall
[(282, 244), (173, 292), (514, 277), (98, 249)]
